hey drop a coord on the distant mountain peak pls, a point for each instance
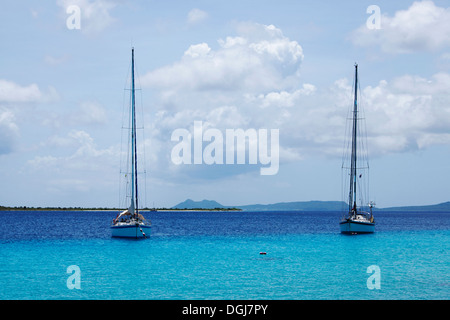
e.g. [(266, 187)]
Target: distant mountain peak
[(204, 204)]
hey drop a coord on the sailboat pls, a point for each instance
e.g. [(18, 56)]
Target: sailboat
[(357, 219), (130, 223)]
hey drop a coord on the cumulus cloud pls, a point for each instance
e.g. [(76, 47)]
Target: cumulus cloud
[(253, 80), (256, 61), (282, 99), (75, 152), (242, 81), (12, 92), (408, 112), (13, 97), (422, 27), (68, 162)]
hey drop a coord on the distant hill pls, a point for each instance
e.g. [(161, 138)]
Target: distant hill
[(204, 204), (304, 206), (445, 206), (281, 206)]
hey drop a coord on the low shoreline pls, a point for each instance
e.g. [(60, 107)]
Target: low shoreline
[(111, 209)]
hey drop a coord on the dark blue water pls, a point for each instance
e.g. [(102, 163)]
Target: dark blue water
[(215, 255), (60, 225)]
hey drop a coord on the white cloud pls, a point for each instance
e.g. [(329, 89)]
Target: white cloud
[(9, 131), (13, 98), (256, 61), (196, 16), (408, 113), (244, 81), (43, 161), (197, 50), (252, 80), (89, 112), (422, 27), (282, 99), (260, 62), (80, 154), (278, 46), (12, 92), (403, 114)]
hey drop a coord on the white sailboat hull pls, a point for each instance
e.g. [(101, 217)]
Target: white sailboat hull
[(131, 231), (355, 227)]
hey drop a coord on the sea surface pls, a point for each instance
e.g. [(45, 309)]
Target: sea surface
[(216, 255)]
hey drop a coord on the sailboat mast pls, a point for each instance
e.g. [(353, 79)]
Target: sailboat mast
[(352, 198), (134, 188)]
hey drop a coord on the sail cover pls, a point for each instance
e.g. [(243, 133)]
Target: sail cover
[(123, 213)]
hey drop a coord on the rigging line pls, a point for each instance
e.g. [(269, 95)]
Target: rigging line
[(134, 142), (352, 193), (129, 150), (124, 179), (363, 132), (140, 106), (348, 126), (121, 160), (144, 159)]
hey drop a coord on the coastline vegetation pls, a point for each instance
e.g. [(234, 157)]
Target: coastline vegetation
[(25, 208)]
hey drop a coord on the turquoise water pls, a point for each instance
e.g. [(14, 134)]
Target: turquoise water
[(217, 256)]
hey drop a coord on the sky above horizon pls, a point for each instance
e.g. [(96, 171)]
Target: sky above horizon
[(274, 65)]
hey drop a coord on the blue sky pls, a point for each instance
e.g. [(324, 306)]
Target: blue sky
[(285, 65)]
